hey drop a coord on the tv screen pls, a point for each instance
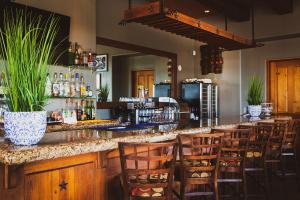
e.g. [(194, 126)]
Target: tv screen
[(62, 38)]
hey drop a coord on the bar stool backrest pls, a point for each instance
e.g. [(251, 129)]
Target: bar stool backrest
[(148, 169), (234, 146), (258, 140), (275, 142), (199, 154), (289, 140)]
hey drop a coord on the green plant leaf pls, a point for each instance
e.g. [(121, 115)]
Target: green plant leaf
[(26, 46)]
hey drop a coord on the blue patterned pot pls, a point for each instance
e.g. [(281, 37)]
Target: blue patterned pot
[(25, 128), (254, 110)]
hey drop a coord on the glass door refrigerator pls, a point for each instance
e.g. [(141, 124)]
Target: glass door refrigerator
[(202, 98)]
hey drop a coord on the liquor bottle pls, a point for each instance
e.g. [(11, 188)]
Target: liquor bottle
[(55, 86), (61, 85), (72, 86), (2, 86), (82, 87), (77, 56), (67, 86), (88, 110), (90, 59), (78, 110), (48, 87), (85, 58), (83, 114), (77, 85), (71, 55), (93, 110)]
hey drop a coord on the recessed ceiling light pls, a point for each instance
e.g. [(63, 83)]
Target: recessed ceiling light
[(206, 11)]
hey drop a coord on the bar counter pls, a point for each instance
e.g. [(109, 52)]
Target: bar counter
[(85, 139), (85, 162)]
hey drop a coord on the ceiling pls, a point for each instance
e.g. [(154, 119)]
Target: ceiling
[(236, 10)]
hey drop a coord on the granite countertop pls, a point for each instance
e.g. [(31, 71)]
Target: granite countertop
[(75, 142), (81, 125)]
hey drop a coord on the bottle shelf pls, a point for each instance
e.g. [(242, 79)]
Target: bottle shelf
[(73, 97), (82, 67)]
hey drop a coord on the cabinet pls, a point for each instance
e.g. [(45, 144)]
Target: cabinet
[(76, 183), (81, 177)]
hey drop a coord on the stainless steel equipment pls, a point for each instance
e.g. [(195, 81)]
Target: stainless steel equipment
[(202, 98)]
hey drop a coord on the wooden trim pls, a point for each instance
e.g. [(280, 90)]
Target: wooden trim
[(133, 47), (144, 50), (57, 163)]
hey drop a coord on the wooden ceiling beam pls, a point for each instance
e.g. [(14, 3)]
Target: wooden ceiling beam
[(186, 26)]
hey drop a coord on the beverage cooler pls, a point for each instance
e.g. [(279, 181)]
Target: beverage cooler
[(162, 90), (202, 98)]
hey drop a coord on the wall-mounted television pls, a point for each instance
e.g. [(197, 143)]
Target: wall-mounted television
[(62, 38)]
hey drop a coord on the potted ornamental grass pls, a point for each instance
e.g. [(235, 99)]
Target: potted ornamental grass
[(255, 96), (26, 48)]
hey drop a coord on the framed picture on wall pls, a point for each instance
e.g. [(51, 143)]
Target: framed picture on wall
[(102, 62)]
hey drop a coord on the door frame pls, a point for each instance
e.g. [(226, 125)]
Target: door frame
[(268, 81)]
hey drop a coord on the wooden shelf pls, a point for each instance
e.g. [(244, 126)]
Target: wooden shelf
[(73, 98), (110, 105), (172, 21)]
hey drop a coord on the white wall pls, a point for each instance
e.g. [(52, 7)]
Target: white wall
[(229, 84), (83, 18)]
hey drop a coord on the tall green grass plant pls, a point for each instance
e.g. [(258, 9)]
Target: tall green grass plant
[(26, 46), (255, 91)]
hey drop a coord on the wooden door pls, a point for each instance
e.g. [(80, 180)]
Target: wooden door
[(143, 78), (72, 183), (284, 86)]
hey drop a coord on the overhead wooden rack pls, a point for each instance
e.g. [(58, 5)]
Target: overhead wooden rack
[(157, 15)]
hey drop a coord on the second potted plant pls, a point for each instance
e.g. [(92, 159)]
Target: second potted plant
[(255, 96)]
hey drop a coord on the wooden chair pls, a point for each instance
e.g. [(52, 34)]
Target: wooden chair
[(147, 170), (199, 154), (272, 157), (288, 149), (232, 160), (254, 161)]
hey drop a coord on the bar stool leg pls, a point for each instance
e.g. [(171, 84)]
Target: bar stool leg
[(216, 190)]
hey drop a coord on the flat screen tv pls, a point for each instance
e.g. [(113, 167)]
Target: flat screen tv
[(62, 38)]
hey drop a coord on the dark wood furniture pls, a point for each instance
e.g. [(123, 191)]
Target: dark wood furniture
[(199, 154), (75, 177), (158, 15), (148, 174), (255, 169), (288, 148), (232, 161)]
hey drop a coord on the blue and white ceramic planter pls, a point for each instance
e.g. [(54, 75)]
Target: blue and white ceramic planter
[(254, 110), (25, 128)]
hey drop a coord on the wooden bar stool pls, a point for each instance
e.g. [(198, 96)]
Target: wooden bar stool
[(232, 160), (254, 161), (288, 149), (199, 154), (272, 157), (147, 170)]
